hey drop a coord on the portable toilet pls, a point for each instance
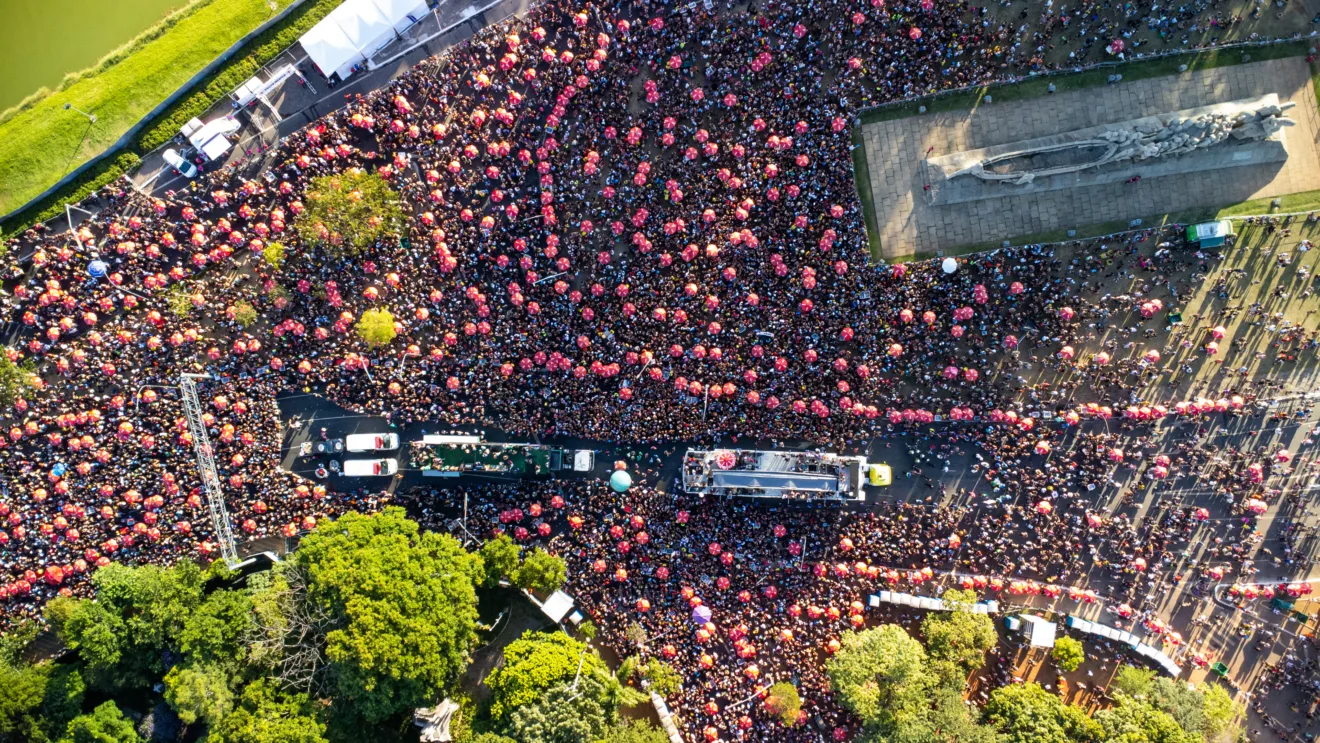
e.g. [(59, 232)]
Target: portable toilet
[(1210, 234)]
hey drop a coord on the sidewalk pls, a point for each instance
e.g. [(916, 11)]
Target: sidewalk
[(298, 104)]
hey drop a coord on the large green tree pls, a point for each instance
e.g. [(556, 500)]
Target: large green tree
[(105, 724), (215, 631), (1068, 653), (139, 614), (267, 715), (534, 664), (634, 731), (1026, 713), (948, 720), (881, 675), (401, 608), (541, 571), (500, 558), (1137, 721), (349, 211), (784, 702), (565, 714), (959, 636), (376, 327), (37, 701), (199, 693)]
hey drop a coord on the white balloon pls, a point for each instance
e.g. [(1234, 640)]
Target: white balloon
[(950, 265)]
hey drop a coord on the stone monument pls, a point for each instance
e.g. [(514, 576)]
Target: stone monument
[(1224, 135)]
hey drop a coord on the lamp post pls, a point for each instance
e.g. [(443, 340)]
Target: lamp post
[(90, 117)]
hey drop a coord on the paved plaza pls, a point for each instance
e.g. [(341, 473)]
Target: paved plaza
[(908, 225)]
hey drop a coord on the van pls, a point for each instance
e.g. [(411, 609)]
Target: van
[(372, 441), (370, 467)]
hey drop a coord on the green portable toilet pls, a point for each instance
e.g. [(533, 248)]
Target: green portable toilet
[(1210, 234)]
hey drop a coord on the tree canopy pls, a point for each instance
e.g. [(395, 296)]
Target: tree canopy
[(959, 636), (1068, 653), (499, 556), (534, 664), (348, 212), (784, 702), (402, 606), (881, 676), (376, 327), (565, 714), (37, 701), (105, 724), (1026, 713), (541, 571), (267, 715)]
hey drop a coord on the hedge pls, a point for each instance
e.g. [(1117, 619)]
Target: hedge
[(215, 87), (102, 174), (222, 82)]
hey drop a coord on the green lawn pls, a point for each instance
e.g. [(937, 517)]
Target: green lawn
[(41, 143)]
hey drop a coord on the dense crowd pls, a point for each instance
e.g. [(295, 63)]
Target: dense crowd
[(635, 223)]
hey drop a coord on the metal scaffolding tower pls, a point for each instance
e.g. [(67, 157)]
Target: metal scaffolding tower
[(215, 497)]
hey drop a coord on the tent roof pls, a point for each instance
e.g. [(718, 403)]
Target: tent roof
[(557, 606), (354, 30)]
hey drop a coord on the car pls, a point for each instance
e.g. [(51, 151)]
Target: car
[(370, 467), (359, 442), (181, 166)]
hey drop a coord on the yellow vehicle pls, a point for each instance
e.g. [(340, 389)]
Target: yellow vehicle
[(880, 475)]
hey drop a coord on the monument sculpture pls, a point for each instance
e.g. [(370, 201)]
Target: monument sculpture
[(1138, 140), (1224, 135)]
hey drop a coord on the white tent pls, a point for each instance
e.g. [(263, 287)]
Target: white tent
[(355, 30)]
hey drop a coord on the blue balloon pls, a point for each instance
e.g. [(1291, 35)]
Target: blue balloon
[(97, 269), (620, 481)]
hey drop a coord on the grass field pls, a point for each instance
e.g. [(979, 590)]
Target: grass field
[(42, 142)]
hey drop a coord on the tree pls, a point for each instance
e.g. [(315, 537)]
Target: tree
[(214, 632), (1068, 654), (949, 720), (563, 715), (267, 715), (273, 254), (179, 300), (880, 675), (959, 636), (500, 558), (534, 664), (634, 731), (541, 571), (1027, 713), (784, 702), (199, 693), (376, 327), (106, 724), (138, 615), (662, 678), (37, 701), (348, 212), (490, 738), (244, 313), (401, 607), (587, 630), (1132, 681), (1136, 721), (15, 379), (1208, 711), (636, 634)]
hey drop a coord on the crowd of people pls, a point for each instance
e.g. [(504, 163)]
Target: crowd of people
[(636, 222)]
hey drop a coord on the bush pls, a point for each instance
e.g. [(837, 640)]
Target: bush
[(245, 314), (376, 327), (1068, 654), (94, 179)]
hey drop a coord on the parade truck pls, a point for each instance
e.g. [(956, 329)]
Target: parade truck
[(467, 455), (798, 475)]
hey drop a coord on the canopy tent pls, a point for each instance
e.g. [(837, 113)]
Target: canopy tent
[(925, 602), (1154, 654), (1040, 632), (557, 606), (351, 33)]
